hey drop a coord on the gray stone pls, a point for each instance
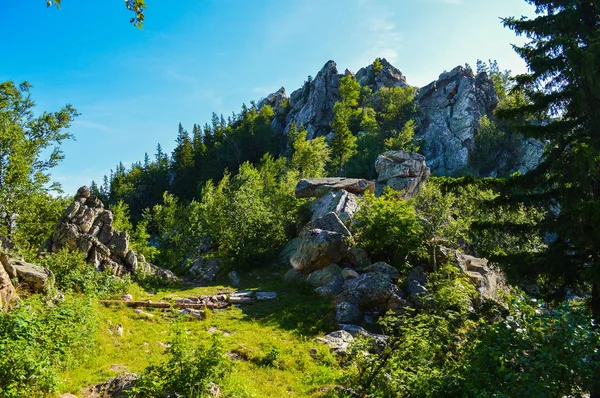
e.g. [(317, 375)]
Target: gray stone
[(328, 281), (347, 313), (262, 296), (318, 249), (402, 171), (293, 276), (317, 187), (358, 257), (389, 76), (416, 281), (234, 278), (373, 290), (288, 250), (206, 269), (35, 278), (329, 222), (385, 269), (85, 226), (342, 203), (349, 273), (338, 341)]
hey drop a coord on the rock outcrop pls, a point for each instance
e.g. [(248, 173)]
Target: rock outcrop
[(488, 280), (318, 249), (312, 105), (402, 171), (317, 187), (389, 76), (28, 277), (450, 109), (86, 226)]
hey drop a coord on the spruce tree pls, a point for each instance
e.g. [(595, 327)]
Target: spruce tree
[(563, 88)]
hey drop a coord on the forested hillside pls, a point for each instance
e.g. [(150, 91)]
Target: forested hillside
[(360, 237)]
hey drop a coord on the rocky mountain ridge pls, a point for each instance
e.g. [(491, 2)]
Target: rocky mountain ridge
[(448, 120)]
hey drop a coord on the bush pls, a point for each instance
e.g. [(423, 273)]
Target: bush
[(190, 370), (39, 339), (533, 352), (388, 228), (72, 274)]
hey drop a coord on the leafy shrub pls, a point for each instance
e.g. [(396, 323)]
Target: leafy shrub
[(388, 228), (189, 371), (39, 339), (73, 274), (533, 352)]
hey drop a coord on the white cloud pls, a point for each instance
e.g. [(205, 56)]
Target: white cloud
[(381, 34), (87, 124)]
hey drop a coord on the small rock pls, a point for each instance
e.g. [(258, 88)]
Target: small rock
[(347, 313), (293, 276), (349, 273), (234, 278), (384, 269), (338, 341), (261, 296), (127, 297)]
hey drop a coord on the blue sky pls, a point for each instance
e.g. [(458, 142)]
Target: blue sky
[(132, 87)]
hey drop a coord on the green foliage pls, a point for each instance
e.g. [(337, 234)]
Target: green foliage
[(136, 6), (377, 67), (492, 148), (40, 339), (533, 352), (247, 215), (343, 144), (36, 224), (139, 236), (388, 228), (176, 229), (447, 351), (309, 156), (562, 87), (382, 122), (189, 371), (73, 275), (29, 148)]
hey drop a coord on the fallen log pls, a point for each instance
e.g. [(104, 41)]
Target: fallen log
[(163, 304)]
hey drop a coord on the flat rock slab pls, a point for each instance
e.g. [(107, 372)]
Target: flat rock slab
[(317, 187)]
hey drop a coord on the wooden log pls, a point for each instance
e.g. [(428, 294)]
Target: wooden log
[(163, 304)]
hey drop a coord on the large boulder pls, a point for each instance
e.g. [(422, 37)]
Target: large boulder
[(8, 293), (328, 281), (369, 291), (317, 187), (206, 269), (318, 249), (288, 250), (402, 171), (86, 226), (33, 277), (342, 203), (489, 281), (329, 222)]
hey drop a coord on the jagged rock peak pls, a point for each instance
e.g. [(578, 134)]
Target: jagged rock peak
[(450, 110), (87, 227), (274, 100), (389, 76)]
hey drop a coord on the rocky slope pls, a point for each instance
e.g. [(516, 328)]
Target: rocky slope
[(449, 112)]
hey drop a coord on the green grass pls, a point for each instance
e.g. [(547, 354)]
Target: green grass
[(272, 339)]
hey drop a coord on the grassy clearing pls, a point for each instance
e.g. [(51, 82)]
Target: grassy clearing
[(270, 340)]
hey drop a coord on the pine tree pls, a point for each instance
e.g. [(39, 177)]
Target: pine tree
[(563, 86)]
